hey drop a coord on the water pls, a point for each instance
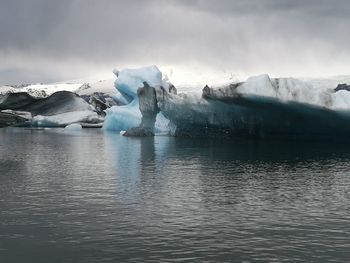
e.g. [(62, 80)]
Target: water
[(91, 196)]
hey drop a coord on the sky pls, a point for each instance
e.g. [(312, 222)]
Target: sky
[(49, 40)]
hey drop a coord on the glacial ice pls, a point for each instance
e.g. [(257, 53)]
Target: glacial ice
[(129, 80), (57, 110), (73, 127), (86, 118), (290, 89), (260, 107), (11, 118), (122, 118)]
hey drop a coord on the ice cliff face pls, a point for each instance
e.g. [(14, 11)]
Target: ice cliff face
[(259, 107)]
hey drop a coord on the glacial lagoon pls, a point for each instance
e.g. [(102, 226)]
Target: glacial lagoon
[(95, 196)]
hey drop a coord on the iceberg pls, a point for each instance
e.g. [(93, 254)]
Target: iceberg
[(57, 110), (88, 119), (73, 127), (12, 118), (264, 108), (261, 107), (122, 118)]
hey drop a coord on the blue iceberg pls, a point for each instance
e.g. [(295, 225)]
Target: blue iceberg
[(122, 118)]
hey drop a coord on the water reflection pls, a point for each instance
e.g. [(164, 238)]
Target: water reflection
[(99, 197)]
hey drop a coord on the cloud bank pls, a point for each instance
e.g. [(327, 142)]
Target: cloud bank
[(43, 41)]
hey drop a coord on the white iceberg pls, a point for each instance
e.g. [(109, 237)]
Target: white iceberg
[(86, 118), (73, 127)]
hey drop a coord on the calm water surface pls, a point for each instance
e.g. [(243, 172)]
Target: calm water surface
[(92, 196)]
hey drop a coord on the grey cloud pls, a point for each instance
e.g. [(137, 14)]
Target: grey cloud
[(27, 76), (78, 37), (24, 23), (322, 8)]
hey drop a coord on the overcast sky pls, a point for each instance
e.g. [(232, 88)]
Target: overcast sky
[(43, 40)]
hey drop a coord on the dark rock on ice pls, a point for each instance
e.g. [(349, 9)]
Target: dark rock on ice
[(139, 132), (172, 89), (149, 110), (342, 87), (148, 106), (9, 118), (58, 102), (58, 110)]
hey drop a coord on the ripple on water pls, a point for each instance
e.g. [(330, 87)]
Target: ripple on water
[(100, 197)]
